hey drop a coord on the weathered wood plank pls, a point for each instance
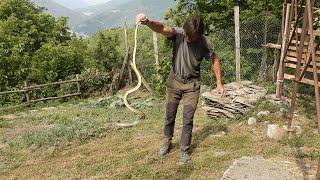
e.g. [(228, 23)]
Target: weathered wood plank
[(52, 98), (294, 66), (294, 59), (52, 84), (12, 92), (303, 80)]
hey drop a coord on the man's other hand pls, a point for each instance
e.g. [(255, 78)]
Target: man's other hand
[(222, 91)]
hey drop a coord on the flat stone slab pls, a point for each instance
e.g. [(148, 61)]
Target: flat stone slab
[(253, 168), (238, 100)]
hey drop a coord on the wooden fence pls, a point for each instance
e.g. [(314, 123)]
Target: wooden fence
[(27, 89)]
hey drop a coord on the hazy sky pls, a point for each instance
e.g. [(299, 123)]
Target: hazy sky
[(93, 2), (74, 4)]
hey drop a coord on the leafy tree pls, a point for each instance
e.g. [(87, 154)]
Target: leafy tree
[(24, 29), (218, 14), (104, 51), (57, 61)]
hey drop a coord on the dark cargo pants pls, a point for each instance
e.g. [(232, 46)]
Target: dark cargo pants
[(188, 91)]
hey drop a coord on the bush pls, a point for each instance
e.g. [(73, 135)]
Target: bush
[(94, 81)]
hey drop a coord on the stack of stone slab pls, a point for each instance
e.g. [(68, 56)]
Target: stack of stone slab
[(239, 100)]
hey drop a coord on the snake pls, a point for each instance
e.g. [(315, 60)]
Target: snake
[(141, 115)]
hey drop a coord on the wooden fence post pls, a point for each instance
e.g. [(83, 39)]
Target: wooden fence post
[(237, 39), (279, 90), (264, 63), (78, 84), (26, 92)]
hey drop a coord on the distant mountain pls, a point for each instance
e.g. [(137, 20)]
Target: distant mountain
[(58, 10), (97, 9), (116, 12), (73, 4), (113, 13)]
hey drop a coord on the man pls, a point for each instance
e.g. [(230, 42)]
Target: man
[(189, 48)]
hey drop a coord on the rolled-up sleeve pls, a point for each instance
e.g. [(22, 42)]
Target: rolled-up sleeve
[(210, 51), (176, 31)]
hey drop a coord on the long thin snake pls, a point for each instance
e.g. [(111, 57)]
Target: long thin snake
[(141, 114)]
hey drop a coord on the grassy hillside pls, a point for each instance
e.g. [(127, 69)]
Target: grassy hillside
[(79, 140)]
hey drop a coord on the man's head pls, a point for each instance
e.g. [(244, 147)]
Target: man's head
[(194, 28)]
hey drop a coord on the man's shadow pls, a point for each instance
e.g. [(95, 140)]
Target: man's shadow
[(208, 130)]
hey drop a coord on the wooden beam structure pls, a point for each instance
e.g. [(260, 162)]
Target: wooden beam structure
[(299, 52)]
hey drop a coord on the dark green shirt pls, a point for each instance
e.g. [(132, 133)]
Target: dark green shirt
[(187, 56)]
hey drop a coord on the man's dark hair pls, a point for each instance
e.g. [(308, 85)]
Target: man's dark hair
[(194, 26)]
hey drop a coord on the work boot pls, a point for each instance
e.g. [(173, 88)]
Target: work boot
[(165, 149), (185, 155)]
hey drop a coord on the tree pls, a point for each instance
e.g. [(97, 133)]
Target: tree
[(218, 14), (105, 52), (24, 29)]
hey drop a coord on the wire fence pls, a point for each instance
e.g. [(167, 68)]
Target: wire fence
[(255, 58)]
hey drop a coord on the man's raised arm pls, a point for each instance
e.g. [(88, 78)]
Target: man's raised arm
[(155, 25)]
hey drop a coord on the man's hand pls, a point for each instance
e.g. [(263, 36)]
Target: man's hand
[(141, 18), (222, 91), (155, 26)]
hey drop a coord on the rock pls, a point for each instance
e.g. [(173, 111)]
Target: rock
[(252, 121), (238, 101), (9, 117), (282, 101), (263, 113), (266, 122), (219, 153), (283, 110), (275, 132), (23, 114), (49, 108), (295, 128), (84, 106), (253, 168), (34, 111), (204, 88), (219, 134)]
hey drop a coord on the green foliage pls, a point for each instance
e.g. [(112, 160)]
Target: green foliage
[(219, 14), (54, 62), (104, 51), (159, 82), (36, 48), (24, 28), (94, 81)]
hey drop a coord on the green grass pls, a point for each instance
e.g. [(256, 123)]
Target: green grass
[(72, 142)]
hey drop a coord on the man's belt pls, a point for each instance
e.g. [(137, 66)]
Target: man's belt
[(183, 79)]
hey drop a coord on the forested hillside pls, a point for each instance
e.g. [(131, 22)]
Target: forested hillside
[(91, 19), (113, 15), (58, 10)]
